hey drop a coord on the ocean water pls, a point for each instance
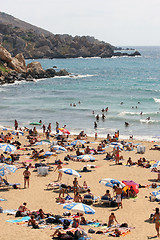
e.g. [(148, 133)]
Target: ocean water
[(97, 83)]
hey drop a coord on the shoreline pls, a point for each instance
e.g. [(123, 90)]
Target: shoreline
[(100, 136)]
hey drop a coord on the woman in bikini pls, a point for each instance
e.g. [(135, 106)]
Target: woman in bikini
[(157, 220), (26, 175), (59, 173), (75, 186)]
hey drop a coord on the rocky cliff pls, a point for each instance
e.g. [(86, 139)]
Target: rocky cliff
[(14, 69), (18, 36)]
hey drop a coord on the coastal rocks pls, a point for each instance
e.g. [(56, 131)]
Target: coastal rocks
[(15, 63), (122, 54), (35, 70), (14, 69)]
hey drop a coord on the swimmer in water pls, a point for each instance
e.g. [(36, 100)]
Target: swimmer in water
[(126, 124)]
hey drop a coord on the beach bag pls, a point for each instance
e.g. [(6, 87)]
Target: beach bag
[(124, 225), (91, 230), (99, 232)]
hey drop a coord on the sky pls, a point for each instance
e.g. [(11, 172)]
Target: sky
[(118, 22)]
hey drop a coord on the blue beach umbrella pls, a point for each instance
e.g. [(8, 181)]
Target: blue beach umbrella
[(80, 208), (76, 142), (7, 147), (110, 182), (86, 157), (6, 169), (47, 154), (59, 148), (43, 142), (70, 171)]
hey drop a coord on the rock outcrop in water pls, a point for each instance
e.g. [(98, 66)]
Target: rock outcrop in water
[(14, 69)]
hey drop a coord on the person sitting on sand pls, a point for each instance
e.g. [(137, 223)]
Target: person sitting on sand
[(75, 223), (32, 222), (111, 220), (140, 162), (77, 197), (129, 161), (108, 156), (131, 192), (87, 150), (78, 153), (41, 214), (107, 195), (22, 210), (99, 147), (83, 221)]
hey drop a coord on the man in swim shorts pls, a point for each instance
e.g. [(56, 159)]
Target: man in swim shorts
[(118, 191)]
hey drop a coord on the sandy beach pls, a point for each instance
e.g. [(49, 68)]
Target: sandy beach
[(135, 212)]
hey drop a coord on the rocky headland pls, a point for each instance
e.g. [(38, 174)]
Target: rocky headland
[(15, 69), (33, 42)]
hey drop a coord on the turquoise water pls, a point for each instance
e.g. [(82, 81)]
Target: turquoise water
[(96, 83)]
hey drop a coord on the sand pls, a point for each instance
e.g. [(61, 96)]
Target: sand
[(135, 212)]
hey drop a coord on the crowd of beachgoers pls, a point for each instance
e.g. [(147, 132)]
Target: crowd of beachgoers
[(28, 154)]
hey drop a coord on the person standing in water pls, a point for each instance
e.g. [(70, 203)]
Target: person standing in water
[(16, 125)]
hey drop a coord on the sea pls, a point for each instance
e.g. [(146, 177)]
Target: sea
[(128, 86)]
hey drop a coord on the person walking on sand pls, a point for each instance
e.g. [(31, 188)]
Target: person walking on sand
[(26, 175), (59, 173), (157, 220), (117, 155)]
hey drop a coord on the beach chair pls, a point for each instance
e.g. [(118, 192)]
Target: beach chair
[(106, 201)]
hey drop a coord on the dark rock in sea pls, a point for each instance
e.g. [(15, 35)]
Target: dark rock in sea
[(121, 54)]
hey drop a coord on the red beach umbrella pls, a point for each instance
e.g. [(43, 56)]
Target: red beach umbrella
[(64, 130)]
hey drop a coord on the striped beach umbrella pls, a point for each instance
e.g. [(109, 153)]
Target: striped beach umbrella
[(70, 171), (80, 208), (7, 169), (77, 142), (7, 147), (59, 148), (110, 182)]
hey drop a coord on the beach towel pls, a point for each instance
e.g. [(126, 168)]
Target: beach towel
[(2, 199), (24, 219)]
